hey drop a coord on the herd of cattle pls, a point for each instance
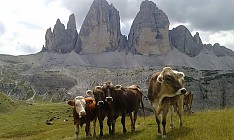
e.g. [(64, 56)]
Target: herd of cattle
[(166, 92)]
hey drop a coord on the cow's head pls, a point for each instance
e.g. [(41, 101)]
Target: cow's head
[(108, 89), (79, 104), (172, 82), (98, 95)]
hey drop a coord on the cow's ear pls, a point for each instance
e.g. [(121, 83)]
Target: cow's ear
[(71, 102), (167, 69), (180, 75), (118, 87), (89, 92), (160, 78)]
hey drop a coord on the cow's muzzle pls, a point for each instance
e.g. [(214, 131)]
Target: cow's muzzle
[(109, 99), (100, 103), (82, 113), (181, 91)]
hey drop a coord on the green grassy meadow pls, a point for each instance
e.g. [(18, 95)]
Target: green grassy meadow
[(23, 121)]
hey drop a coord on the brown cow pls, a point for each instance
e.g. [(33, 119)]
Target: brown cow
[(104, 109), (164, 90), (113, 101), (188, 99), (84, 111), (133, 96)]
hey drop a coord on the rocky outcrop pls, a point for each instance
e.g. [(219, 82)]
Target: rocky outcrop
[(61, 40), (218, 50), (100, 31), (149, 31), (181, 38)]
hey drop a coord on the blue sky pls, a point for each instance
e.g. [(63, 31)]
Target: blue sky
[(23, 23)]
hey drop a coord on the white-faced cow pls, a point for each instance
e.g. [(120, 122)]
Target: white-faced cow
[(165, 89), (84, 111)]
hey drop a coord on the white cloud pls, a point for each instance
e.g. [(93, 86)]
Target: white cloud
[(25, 23)]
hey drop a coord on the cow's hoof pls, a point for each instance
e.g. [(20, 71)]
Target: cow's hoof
[(181, 125), (159, 134), (164, 136), (172, 126)]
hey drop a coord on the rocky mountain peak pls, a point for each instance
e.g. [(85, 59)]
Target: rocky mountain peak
[(100, 31), (149, 31), (71, 22), (218, 50), (61, 40), (182, 39)]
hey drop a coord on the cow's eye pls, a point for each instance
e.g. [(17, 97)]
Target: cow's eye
[(168, 78)]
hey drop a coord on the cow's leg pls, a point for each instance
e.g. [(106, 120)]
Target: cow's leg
[(94, 127), (100, 120), (134, 120), (131, 115), (123, 122), (186, 109), (180, 110), (87, 129), (164, 120), (109, 123), (179, 113), (76, 131), (172, 116), (113, 126), (157, 118)]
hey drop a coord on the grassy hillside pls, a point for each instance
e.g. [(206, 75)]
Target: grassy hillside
[(27, 122), (6, 103)]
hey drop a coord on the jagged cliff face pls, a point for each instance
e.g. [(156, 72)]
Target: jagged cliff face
[(149, 31), (61, 40), (100, 31), (182, 39)]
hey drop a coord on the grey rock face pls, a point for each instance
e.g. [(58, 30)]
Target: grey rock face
[(100, 31), (149, 31), (61, 40), (218, 50), (181, 38)]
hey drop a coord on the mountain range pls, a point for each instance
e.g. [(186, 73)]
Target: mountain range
[(149, 42)]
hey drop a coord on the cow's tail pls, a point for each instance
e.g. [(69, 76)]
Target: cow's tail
[(142, 105)]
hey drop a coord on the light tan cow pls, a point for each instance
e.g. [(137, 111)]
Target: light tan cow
[(166, 89)]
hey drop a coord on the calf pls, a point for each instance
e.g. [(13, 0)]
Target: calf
[(84, 111), (165, 89), (188, 99)]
